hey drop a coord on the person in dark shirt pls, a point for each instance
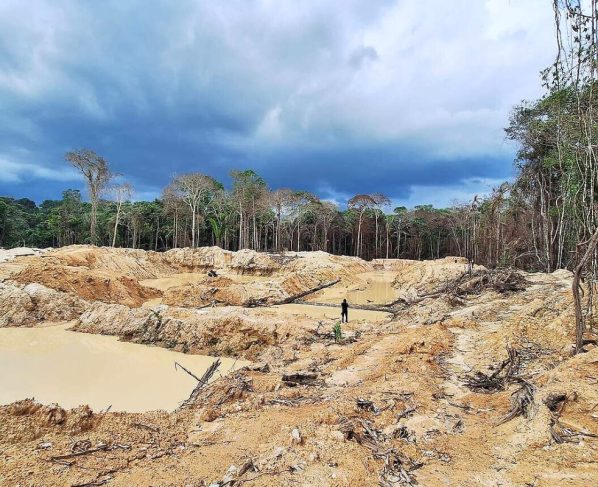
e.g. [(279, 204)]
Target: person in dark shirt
[(344, 311)]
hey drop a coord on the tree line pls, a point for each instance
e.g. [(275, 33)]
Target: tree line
[(196, 210), (537, 221), (524, 223)]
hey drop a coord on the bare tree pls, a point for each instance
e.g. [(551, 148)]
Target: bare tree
[(360, 203), (299, 207), (121, 193), (222, 211), (250, 192), (326, 212), (97, 174), (173, 206), (197, 190)]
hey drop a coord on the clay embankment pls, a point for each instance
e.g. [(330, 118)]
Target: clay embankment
[(153, 298), (391, 404), (132, 277)]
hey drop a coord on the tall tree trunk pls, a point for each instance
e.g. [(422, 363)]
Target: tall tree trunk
[(157, 233), (387, 240), (358, 250), (579, 318), (240, 226), (193, 216), (116, 225), (93, 218)]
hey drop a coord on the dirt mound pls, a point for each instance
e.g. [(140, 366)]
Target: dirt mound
[(88, 285), (254, 263), (138, 264), (31, 304), (142, 264), (113, 275), (415, 278), (295, 274), (213, 331), (245, 262), (223, 291), (45, 417), (197, 259), (326, 266)]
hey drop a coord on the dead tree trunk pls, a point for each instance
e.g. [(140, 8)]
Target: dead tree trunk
[(579, 318), (201, 382), (295, 297)]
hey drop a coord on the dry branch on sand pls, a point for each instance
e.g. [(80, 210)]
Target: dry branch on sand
[(499, 379), (397, 468), (559, 432), (201, 382), (253, 302), (474, 283), (522, 401), (301, 379)]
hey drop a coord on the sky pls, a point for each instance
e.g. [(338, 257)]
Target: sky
[(401, 97)]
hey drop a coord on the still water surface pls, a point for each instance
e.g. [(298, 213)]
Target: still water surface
[(52, 364)]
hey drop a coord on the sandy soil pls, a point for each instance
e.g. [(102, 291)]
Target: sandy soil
[(387, 405)]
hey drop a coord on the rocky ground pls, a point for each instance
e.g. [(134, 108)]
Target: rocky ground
[(455, 380)]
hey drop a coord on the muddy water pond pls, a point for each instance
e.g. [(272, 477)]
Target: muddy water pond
[(374, 288), (54, 365)]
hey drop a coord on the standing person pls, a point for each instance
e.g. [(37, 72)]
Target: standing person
[(344, 311)]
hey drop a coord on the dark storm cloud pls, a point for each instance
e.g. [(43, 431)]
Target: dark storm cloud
[(382, 96)]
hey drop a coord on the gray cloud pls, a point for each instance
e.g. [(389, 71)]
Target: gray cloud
[(399, 95), (361, 55)]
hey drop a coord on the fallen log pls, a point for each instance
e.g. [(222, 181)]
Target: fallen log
[(80, 453), (176, 364), (295, 297), (255, 302), (263, 302)]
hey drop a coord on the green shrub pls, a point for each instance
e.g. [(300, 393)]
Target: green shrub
[(338, 334)]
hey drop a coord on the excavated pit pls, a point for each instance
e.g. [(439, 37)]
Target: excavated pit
[(388, 402), (55, 365)]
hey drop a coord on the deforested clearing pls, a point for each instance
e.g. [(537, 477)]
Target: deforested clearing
[(444, 375)]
